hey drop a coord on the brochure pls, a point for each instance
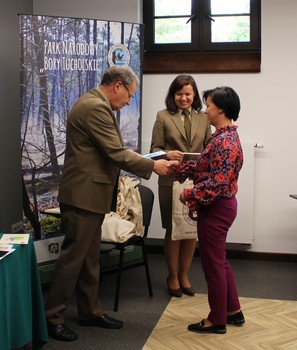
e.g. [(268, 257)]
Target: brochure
[(5, 249), (156, 155), (15, 238), (4, 253)]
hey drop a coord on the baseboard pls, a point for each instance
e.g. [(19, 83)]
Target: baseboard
[(248, 255), (234, 251)]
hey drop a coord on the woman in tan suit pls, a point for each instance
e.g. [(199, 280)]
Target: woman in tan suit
[(170, 134)]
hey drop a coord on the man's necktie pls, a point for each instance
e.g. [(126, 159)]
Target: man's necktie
[(187, 125)]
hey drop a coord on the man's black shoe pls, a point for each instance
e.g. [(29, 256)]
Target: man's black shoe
[(103, 321), (61, 332)]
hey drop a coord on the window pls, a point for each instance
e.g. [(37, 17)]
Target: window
[(202, 35)]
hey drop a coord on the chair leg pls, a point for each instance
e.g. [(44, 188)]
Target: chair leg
[(118, 283), (147, 271)]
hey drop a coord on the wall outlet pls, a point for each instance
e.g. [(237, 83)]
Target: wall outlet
[(17, 227)]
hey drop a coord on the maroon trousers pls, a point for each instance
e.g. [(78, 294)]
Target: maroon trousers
[(213, 224)]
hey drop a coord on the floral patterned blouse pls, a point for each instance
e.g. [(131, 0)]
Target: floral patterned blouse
[(216, 172)]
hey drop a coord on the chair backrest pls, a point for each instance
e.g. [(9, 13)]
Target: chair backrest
[(147, 201)]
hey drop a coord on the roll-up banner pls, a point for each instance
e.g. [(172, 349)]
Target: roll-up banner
[(60, 59)]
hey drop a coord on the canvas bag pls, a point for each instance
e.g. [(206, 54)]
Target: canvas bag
[(183, 227), (129, 205), (116, 229), (127, 221)]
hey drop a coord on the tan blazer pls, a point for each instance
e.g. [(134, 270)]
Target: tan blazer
[(169, 134), (95, 154)]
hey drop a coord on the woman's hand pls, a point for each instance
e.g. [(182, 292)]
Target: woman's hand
[(175, 155), (182, 198), (193, 215)]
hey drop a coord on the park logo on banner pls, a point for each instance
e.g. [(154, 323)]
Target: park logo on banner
[(119, 55)]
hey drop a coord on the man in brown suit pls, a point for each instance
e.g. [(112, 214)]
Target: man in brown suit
[(93, 159)]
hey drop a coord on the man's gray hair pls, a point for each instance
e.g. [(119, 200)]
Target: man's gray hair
[(115, 73)]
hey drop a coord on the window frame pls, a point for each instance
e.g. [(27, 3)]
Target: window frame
[(202, 56)]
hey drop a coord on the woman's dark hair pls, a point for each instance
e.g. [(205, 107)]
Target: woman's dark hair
[(178, 83), (225, 98)]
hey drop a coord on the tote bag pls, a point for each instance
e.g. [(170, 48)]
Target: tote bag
[(183, 227)]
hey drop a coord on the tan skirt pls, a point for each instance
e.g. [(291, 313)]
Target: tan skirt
[(165, 202)]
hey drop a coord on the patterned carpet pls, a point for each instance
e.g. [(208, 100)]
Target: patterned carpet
[(270, 324)]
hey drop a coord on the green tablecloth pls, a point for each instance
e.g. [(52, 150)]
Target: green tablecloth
[(22, 316)]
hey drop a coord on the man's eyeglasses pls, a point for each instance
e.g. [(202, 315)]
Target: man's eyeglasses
[(125, 86)]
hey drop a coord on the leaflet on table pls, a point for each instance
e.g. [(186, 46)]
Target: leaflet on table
[(191, 156), (5, 249), (156, 155), (14, 238)]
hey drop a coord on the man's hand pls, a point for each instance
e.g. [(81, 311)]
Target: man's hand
[(164, 167)]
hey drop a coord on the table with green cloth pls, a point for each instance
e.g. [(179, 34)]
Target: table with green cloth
[(22, 315)]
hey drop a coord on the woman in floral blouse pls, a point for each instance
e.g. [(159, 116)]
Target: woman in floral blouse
[(215, 177)]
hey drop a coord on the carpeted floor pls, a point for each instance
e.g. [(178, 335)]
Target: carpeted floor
[(140, 313)]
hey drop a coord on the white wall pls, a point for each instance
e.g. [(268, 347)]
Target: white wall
[(115, 10), (268, 113), (268, 116)]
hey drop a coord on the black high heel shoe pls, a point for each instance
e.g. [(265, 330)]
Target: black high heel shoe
[(188, 291), (174, 292)]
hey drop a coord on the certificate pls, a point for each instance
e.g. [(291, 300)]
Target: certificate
[(190, 156)]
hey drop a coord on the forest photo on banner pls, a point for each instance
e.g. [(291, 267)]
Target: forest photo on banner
[(60, 59)]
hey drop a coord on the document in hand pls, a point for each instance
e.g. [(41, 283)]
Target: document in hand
[(156, 155), (190, 156)]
